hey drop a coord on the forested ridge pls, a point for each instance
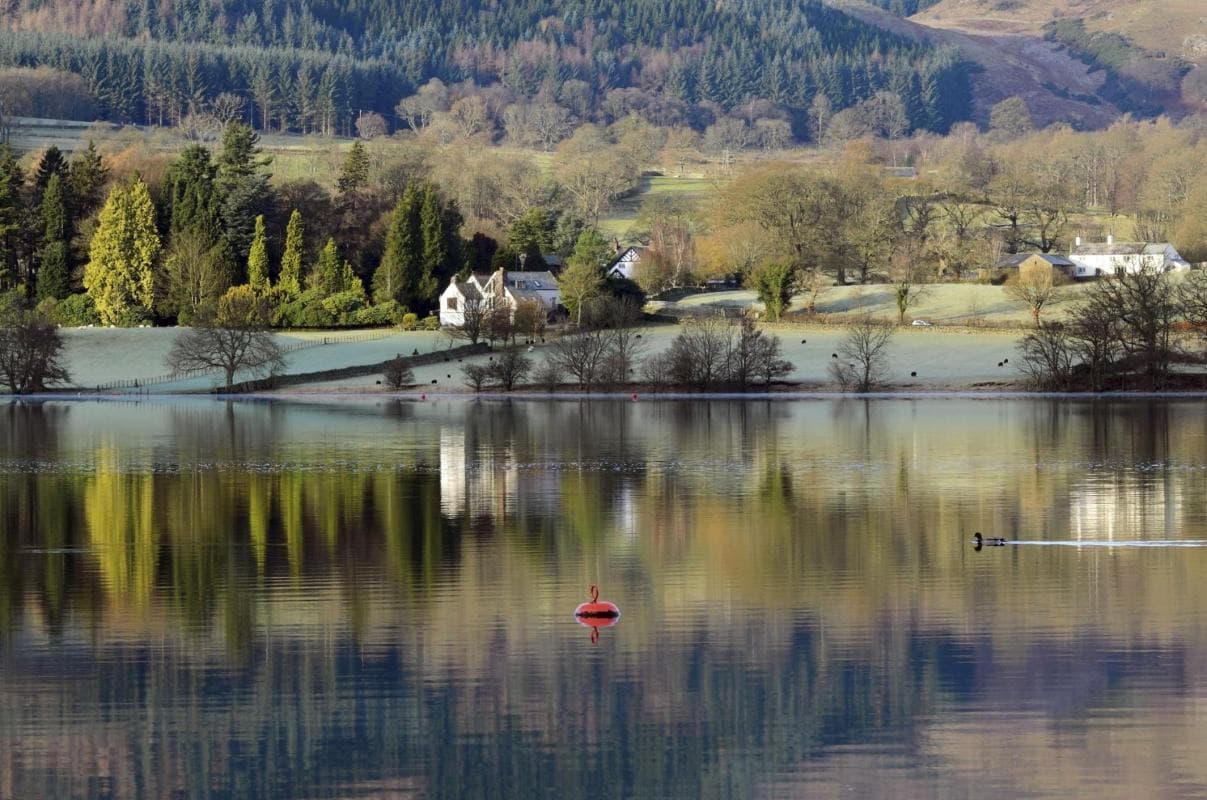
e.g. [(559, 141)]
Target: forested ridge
[(315, 66)]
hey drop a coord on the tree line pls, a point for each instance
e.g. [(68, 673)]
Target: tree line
[(315, 67)]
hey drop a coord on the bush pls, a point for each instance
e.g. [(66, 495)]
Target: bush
[(410, 321), (74, 310), (304, 311), (431, 323), (387, 313), (398, 373), (342, 305)]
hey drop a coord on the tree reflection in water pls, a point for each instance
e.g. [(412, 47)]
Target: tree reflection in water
[(232, 599)]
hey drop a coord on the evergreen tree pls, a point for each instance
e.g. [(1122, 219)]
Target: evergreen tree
[(243, 185), (435, 259), (12, 210), (86, 178), (118, 275), (51, 163), (54, 269), (290, 278), (193, 201), (257, 259), (327, 276), (398, 276), (355, 174)]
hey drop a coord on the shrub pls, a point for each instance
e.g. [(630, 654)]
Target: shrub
[(431, 323), (75, 310), (398, 373), (304, 311), (386, 313), (410, 321), (341, 305)]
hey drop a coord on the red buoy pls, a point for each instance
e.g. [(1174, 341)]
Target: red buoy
[(595, 613)]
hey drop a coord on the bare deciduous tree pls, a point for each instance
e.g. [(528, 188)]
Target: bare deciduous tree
[(863, 356), (1036, 289), (233, 339)]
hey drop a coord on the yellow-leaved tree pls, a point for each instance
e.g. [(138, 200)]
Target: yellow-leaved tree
[(119, 275)]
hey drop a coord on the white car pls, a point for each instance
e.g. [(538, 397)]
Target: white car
[(920, 323)]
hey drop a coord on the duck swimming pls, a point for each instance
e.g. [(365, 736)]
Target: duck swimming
[(979, 541)]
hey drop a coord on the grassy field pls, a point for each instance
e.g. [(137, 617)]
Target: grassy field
[(970, 305), (973, 328), (623, 216)]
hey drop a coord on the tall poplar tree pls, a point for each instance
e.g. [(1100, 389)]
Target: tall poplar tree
[(327, 277), (435, 255), (290, 277), (119, 274), (257, 259)]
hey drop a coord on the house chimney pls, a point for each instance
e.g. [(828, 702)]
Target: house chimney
[(1110, 238)]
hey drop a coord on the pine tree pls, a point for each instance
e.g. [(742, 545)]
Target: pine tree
[(355, 173), (86, 177), (243, 186), (11, 212), (257, 259), (51, 163), (290, 278), (118, 275), (327, 275), (54, 270), (398, 276)]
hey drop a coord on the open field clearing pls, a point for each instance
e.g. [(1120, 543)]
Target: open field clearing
[(942, 304)]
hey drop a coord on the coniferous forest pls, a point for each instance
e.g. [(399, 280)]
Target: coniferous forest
[(289, 65)]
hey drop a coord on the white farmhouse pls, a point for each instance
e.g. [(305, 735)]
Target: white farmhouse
[(1091, 259), (501, 286)]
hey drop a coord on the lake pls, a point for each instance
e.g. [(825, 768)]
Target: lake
[(375, 599)]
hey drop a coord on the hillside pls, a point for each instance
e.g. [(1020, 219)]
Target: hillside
[(315, 66), (1158, 48)]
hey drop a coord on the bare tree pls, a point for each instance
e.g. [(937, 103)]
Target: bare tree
[(227, 107), (1145, 305), (509, 368), (398, 373), (755, 356), (233, 339), (476, 375), (909, 277), (581, 354), (1036, 289), (1046, 357), (30, 352), (474, 313), (863, 356)]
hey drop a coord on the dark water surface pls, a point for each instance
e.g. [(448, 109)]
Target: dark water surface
[(374, 599)]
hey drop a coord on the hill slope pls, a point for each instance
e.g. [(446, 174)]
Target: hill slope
[(313, 64), (1153, 49)]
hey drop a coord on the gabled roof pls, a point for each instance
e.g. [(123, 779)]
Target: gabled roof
[(469, 290), (1017, 259)]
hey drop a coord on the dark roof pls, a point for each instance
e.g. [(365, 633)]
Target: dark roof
[(468, 290), (1017, 259), (543, 280)]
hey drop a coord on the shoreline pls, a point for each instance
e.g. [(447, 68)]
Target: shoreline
[(899, 393)]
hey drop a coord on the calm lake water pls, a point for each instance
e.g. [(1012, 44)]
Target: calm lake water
[(375, 599)]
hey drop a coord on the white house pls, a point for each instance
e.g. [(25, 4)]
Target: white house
[(1091, 259), (626, 262), (501, 286)]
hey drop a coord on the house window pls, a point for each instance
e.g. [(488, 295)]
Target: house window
[(451, 305)]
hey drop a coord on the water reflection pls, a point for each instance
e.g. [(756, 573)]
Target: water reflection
[(374, 599)]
